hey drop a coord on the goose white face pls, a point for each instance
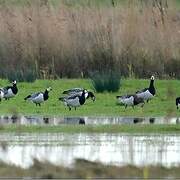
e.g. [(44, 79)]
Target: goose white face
[(86, 94), (14, 82), (49, 89), (152, 78)]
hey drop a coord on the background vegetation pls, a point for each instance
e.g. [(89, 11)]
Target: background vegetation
[(67, 38)]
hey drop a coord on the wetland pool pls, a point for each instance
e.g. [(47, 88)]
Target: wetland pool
[(113, 149), (53, 120)]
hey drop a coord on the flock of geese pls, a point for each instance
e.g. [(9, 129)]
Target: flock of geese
[(76, 97)]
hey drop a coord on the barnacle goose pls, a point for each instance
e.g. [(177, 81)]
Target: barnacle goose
[(39, 97), (147, 93), (74, 100), (78, 91), (130, 100), (10, 91)]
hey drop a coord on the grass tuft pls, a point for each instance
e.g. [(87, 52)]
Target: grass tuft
[(106, 81)]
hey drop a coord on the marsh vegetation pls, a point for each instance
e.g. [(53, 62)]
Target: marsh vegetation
[(55, 39)]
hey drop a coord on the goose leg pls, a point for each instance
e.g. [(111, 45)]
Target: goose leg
[(125, 106), (69, 108), (75, 108)]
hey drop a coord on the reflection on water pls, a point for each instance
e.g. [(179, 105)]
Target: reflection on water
[(117, 149), (85, 120)]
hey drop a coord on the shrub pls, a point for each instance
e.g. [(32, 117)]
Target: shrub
[(106, 81), (20, 76)]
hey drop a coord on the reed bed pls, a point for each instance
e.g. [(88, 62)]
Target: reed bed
[(39, 39)]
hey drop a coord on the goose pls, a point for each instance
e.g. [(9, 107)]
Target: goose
[(10, 91), (177, 102), (74, 100), (78, 91), (39, 97), (147, 93), (130, 100)]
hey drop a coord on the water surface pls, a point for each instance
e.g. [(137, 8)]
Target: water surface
[(115, 149), (53, 120)]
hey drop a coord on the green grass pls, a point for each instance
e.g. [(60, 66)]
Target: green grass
[(140, 128), (163, 104), (70, 3)]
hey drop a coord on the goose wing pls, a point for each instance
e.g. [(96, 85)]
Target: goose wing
[(72, 100), (125, 99), (68, 97), (5, 89), (73, 90), (124, 96), (33, 96), (73, 96), (36, 95), (141, 91)]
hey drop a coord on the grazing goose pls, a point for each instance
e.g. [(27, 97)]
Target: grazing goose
[(130, 100), (74, 100), (147, 93), (177, 102), (78, 91), (39, 97), (10, 91)]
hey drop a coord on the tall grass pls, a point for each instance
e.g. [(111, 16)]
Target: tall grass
[(106, 81), (61, 40)]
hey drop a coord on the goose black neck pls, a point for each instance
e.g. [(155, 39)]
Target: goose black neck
[(82, 98), (46, 96), (151, 87), (14, 89), (151, 83)]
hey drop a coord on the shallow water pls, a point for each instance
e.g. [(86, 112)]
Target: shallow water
[(116, 149), (40, 120)]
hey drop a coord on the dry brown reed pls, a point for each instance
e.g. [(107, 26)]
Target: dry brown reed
[(136, 39)]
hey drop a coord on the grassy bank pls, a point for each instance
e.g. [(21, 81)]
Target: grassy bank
[(163, 103), (86, 169), (92, 129)]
